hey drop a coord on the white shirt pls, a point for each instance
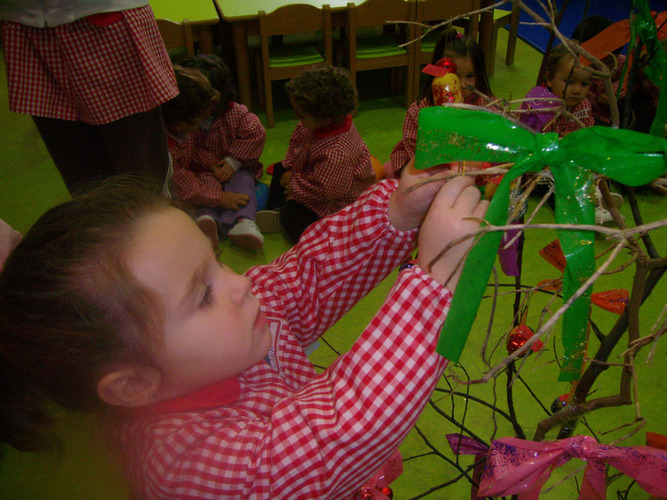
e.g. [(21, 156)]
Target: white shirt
[(50, 13)]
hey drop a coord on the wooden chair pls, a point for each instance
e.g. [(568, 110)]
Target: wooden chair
[(433, 12), (177, 37), (285, 60), (380, 50), (502, 18)]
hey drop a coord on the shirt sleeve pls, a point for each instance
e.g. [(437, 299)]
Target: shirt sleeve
[(337, 261), (249, 135)]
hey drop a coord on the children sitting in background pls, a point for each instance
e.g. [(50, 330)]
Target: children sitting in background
[(201, 372), (229, 143), (471, 71), (327, 164), (587, 29), (196, 181)]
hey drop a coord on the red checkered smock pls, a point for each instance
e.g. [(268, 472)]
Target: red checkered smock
[(330, 166), (279, 430), (237, 133), (564, 125), (600, 111), (97, 69)]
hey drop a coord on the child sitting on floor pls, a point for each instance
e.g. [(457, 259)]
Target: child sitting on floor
[(229, 143), (196, 179), (201, 372), (471, 71), (327, 164)]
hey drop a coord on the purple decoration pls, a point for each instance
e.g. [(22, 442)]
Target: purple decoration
[(538, 120)]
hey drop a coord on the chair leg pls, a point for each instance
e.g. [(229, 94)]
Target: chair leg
[(512, 35)]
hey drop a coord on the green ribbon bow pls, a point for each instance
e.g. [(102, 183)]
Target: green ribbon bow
[(452, 133)]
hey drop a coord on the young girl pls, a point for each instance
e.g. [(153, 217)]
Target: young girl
[(571, 84), (194, 178), (200, 371), (471, 71), (327, 164), (229, 144)]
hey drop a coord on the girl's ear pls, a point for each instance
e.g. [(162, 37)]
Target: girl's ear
[(130, 386)]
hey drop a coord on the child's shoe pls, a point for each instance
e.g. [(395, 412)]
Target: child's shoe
[(209, 227), (268, 221), (246, 234)]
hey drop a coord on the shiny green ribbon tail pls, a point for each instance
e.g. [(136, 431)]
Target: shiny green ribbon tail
[(460, 132)]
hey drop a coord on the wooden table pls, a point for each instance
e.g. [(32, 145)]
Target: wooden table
[(241, 16)]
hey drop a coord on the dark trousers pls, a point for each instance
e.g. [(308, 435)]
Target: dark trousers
[(85, 153), (294, 217)]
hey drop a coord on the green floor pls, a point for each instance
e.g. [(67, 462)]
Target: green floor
[(29, 184)]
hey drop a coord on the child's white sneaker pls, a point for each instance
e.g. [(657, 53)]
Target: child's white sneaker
[(209, 227), (268, 221), (246, 234)]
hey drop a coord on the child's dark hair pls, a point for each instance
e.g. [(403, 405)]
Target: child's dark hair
[(196, 94), (452, 43), (590, 27), (554, 58), (70, 309), (218, 74), (324, 92)]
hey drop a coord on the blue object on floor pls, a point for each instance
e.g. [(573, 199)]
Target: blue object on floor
[(262, 192)]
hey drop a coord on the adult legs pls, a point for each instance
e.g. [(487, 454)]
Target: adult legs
[(85, 153)]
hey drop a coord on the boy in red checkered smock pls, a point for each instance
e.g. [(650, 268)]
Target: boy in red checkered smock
[(327, 165), (92, 75), (471, 71), (202, 372)]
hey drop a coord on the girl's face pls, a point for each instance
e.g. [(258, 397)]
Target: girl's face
[(465, 70), (213, 326), (310, 122), (571, 86)]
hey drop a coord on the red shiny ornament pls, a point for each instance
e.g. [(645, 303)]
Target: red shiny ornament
[(518, 336)]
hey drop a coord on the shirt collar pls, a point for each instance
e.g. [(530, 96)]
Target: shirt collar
[(334, 128), (213, 396)]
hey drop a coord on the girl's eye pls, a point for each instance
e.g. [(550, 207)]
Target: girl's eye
[(207, 299)]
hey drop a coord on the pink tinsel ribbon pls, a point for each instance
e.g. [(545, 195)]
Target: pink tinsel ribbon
[(389, 472), (519, 467)]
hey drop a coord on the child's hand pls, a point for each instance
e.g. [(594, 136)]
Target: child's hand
[(407, 211), (233, 201), (286, 183), (222, 171), (444, 223)]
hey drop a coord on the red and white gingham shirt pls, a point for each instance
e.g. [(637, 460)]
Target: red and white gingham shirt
[(88, 70), (405, 149), (280, 430), (564, 125), (237, 133), (600, 111), (330, 167)]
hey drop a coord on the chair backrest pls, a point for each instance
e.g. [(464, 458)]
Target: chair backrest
[(297, 18), (176, 35), (378, 12), (435, 10)]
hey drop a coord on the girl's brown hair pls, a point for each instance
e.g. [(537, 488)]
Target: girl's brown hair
[(70, 310), (195, 96)]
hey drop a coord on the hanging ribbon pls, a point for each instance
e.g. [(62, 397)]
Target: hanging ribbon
[(459, 132), (518, 467)]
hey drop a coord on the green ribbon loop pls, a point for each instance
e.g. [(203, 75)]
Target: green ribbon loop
[(456, 133)]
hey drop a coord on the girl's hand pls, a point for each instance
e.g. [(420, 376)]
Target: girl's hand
[(407, 211), (233, 201), (445, 222), (222, 171)]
